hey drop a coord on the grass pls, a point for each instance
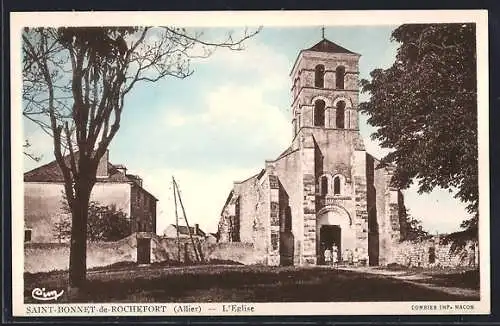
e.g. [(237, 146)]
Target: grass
[(239, 284), (460, 277), (468, 279)]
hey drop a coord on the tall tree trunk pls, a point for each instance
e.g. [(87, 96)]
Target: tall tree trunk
[(78, 252)]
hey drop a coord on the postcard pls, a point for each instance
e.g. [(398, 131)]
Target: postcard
[(250, 163)]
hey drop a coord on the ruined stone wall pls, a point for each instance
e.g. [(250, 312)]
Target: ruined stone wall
[(360, 218), (418, 254), (308, 176), (261, 223), (380, 184), (389, 206), (228, 214), (252, 209), (287, 171)]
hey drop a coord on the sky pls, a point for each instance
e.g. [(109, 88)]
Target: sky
[(220, 124)]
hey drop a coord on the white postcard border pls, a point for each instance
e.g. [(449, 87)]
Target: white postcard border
[(253, 18)]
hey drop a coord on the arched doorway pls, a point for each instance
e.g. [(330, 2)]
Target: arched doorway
[(334, 226)]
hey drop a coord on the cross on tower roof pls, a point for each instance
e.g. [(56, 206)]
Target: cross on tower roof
[(323, 32)]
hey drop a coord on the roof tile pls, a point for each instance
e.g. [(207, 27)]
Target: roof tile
[(328, 46)]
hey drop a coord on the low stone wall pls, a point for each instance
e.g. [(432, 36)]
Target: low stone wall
[(239, 252), (431, 253), (45, 257)]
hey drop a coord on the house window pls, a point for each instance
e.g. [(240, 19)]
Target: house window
[(27, 235), (336, 186), (339, 77), (319, 76), (340, 115), (319, 113)]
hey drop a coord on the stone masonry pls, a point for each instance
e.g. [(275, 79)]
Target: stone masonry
[(324, 189)]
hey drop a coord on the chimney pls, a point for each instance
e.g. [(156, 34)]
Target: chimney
[(136, 179), (121, 168), (102, 168), (196, 228)]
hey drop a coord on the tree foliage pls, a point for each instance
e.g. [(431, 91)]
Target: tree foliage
[(105, 223), (425, 109), (412, 229), (75, 81)]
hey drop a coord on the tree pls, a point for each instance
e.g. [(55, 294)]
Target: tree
[(425, 109), (104, 223), (75, 81), (62, 228)]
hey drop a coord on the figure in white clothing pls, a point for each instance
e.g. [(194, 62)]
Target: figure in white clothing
[(335, 254), (328, 256)]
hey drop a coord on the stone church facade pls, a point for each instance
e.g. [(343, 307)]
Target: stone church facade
[(325, 188)]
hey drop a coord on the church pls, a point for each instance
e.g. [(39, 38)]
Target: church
[(324, 190)]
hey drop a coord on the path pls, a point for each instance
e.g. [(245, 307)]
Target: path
[(415, 278)]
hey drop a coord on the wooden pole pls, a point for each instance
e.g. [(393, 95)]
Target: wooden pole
[(187, 223), (176, 222)]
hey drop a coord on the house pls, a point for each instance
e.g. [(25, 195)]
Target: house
[(211, 237), (324, 190), (44, 195), (171, 232)]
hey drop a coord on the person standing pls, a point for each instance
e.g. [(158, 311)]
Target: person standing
[(328, 256), (472, 255), (355, 257), (335, 255), (345, 257)]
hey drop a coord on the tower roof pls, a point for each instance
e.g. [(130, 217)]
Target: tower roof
[(325, 46), (328, 46)]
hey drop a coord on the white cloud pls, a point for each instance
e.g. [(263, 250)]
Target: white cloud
[(437, 209), (174, 118), (230, 111), (258, 60), (373, 147), (203, 194), (242, 111)]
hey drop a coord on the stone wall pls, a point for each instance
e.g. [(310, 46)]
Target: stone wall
[(45, 257), (308, 171), (252, 207), (419, 254), (286, 168), (360, 218)]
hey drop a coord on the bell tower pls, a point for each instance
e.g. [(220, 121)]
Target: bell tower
[(325, 88), (325, 95)]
